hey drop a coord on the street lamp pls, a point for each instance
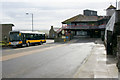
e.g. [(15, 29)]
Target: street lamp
[(116, 5), (32, 19)]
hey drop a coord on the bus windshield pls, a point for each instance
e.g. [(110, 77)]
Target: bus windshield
[(15, 36)]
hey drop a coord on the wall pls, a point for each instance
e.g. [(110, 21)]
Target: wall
[(52, 33), (119, 5), (90, 13), (110, 12), (5, 31), (118, 52), (0, 32)]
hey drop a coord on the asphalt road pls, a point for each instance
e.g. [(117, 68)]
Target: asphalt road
[(46, 61)]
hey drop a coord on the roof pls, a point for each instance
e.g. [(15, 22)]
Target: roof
[(56, 29), (111, 7), (32, 32), (82, 18), (71, 19), (8, 24), (45, 31), (89, 10), (59, 30)]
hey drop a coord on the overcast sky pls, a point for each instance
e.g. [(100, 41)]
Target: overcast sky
[(47, 12)]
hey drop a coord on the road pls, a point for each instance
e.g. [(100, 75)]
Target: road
[(55, 60)]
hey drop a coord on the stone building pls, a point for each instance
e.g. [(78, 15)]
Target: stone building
[(6, 28), (53, 32)]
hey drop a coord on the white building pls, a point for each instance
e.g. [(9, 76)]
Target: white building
[(119, 5), (110, 10)]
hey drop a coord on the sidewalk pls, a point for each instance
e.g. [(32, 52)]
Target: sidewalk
[(97, 65)]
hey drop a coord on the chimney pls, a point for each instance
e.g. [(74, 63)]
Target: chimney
[(51, 27)]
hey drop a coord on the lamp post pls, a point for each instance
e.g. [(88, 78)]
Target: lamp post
[(32, 19), (116, 4)]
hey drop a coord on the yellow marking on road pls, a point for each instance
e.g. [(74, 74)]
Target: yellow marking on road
[(7, 50), (12, 56)]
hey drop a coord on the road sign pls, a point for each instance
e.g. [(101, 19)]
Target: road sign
[(63, 32)]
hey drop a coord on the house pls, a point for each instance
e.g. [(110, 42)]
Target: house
[(53, 32), (88, 24), (6, 28)]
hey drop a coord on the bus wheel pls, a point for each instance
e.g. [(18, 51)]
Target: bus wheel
[(40, 43), (20, 46), (28, 44)]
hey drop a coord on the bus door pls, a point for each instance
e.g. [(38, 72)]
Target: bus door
[(24, 39)]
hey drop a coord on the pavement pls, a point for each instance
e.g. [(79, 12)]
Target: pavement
[(98, 64)]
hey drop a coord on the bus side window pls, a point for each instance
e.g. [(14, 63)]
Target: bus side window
[(43, 36), (39, 36), (36, 36), (27, 36), (31, 36)]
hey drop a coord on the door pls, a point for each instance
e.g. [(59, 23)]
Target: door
[(24, 39)]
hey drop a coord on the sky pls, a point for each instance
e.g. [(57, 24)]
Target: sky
[(46, 13)]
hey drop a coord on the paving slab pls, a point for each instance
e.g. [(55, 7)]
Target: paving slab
[(96, 66)]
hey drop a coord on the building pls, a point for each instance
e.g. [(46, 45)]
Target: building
[(53, 32), (46, 32), (6, 28), (112, 32), (119, 5), (110, 10), (85, 25), (90, 13)]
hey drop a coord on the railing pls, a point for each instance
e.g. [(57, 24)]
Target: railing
[(102, 26), (60, 29), (84, 26)]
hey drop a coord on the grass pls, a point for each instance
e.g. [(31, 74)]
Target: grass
[(2, 43)]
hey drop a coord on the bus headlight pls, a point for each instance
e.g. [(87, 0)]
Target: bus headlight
[(20, 42), (9, 43)]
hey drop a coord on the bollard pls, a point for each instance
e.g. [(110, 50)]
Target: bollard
[(64, 40)]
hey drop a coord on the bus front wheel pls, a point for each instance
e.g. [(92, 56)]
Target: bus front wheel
[(28, 44), (40, 43)]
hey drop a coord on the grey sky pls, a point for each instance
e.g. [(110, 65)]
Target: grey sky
[(47, 12)]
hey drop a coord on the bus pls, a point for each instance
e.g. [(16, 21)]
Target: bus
[(26, 38)]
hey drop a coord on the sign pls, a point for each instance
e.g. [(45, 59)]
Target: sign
[(63, 37), (67, 37), (63, 32)]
